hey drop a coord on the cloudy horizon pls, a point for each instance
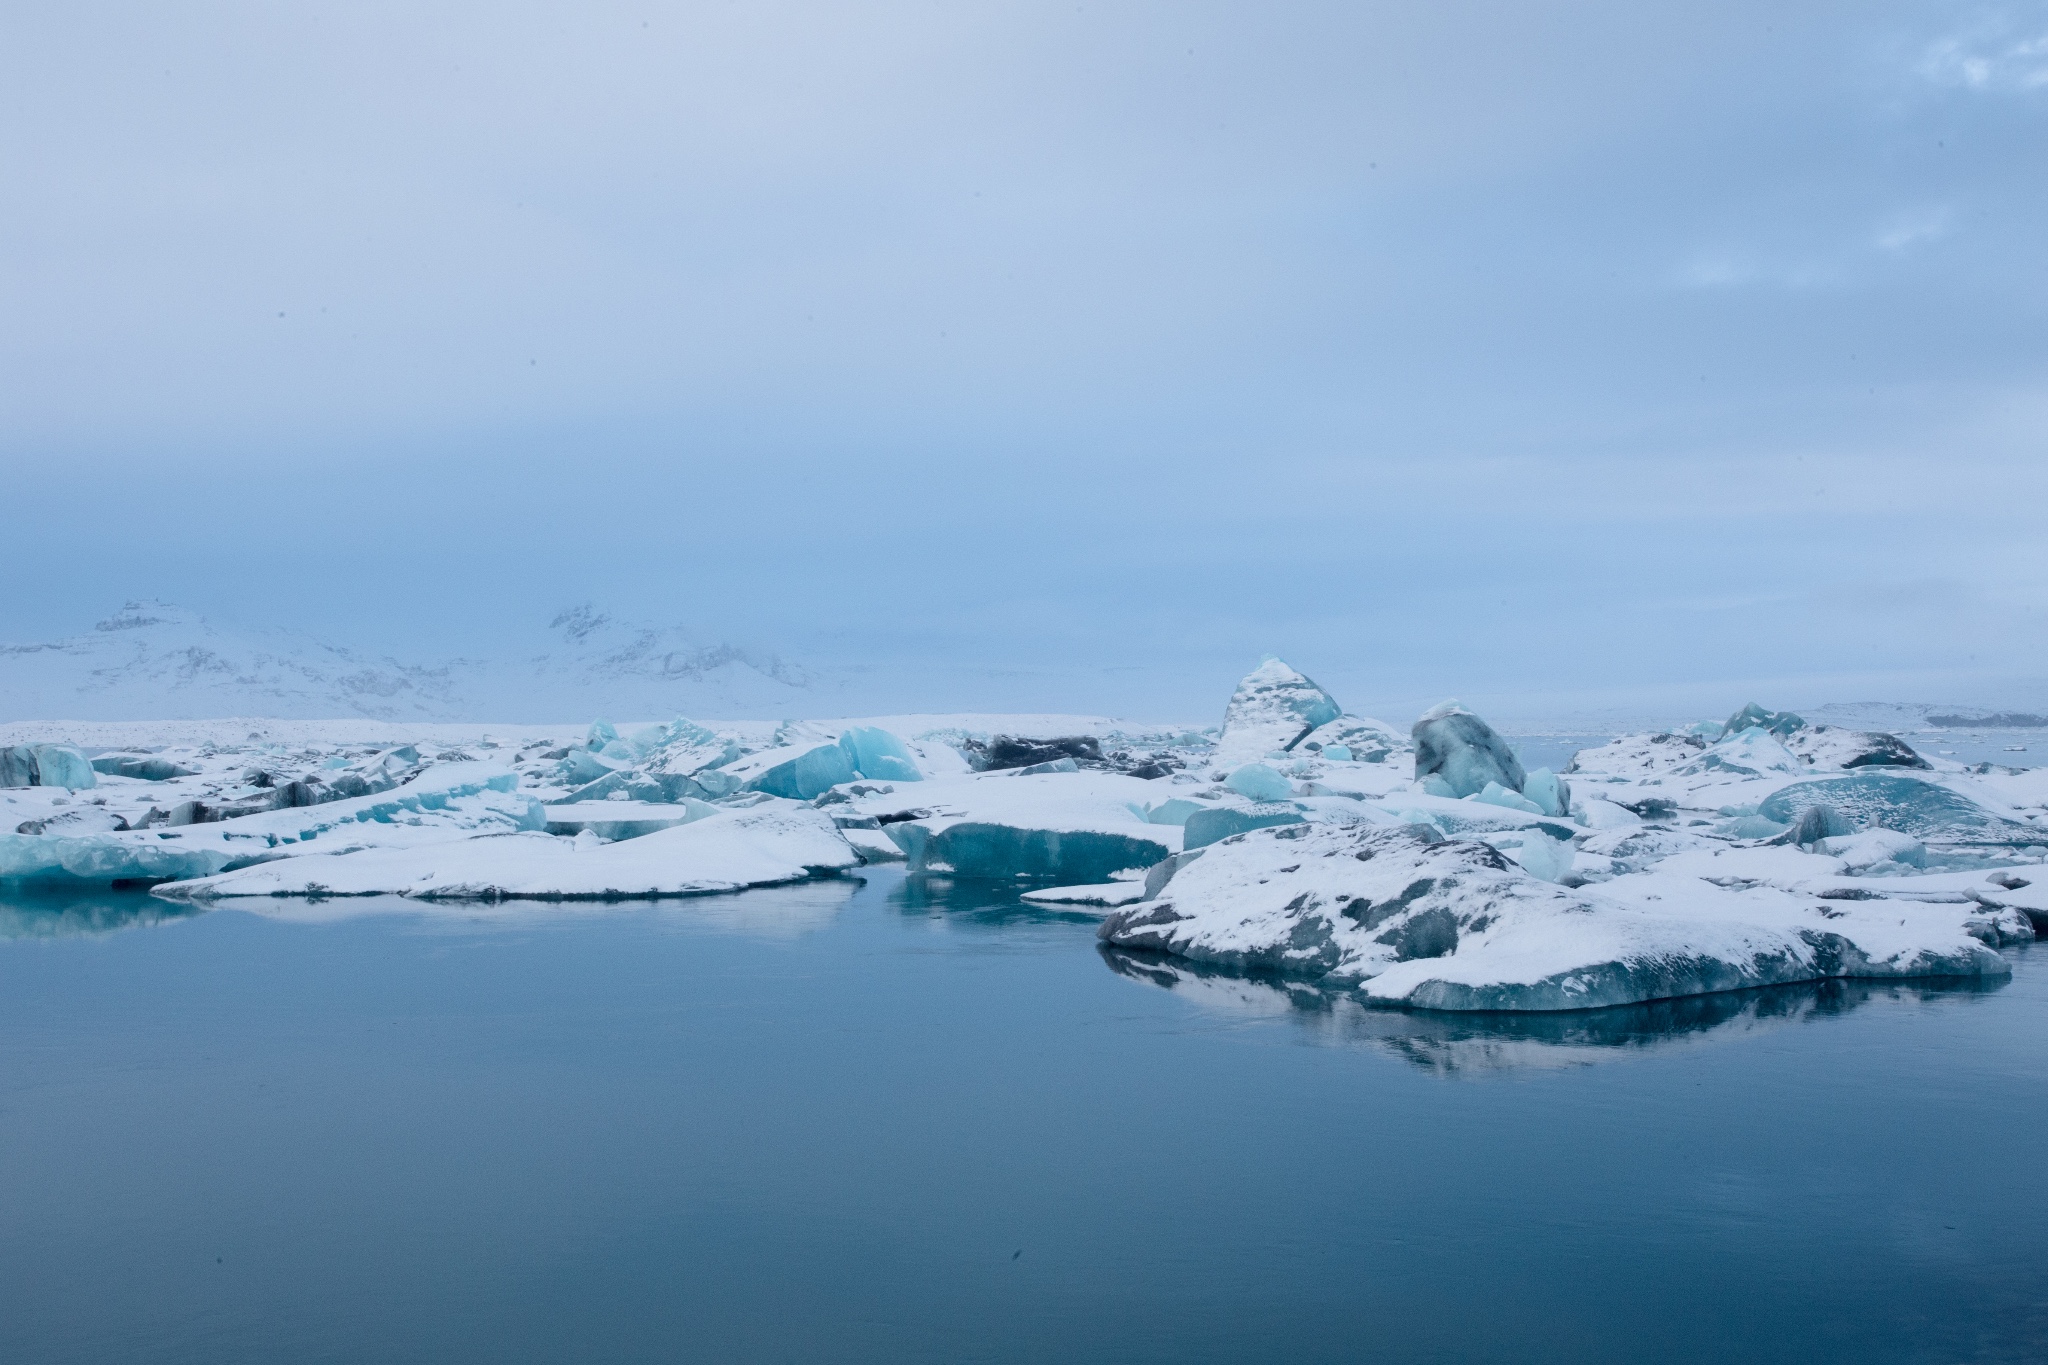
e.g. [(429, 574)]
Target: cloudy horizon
[(1585, 357)]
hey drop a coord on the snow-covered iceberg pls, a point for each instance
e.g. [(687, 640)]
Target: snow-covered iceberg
[(1273, 709), (761, 846), (1405, 917), (449, 800), (1074, 828)]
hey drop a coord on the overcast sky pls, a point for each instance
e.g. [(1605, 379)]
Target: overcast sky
[(1542, 354)]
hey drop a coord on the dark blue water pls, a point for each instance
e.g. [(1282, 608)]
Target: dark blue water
[(886, 1125)]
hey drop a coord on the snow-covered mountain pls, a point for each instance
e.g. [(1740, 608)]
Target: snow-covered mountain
[(155, 660)]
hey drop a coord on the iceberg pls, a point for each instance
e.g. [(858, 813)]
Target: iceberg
[(878, 755), (150, 769), (1751, 752), (1827, 746), (1077, 828), (1175, 810), (1011, 751), (1354, 739), (17, 766), (56, 765), (728, 851), (1780, 723), (1400, 916), (615, 820), (1551, 794), (580, 767), (1494, 794), (1273, 710), (1463, 752), (447, 801), (805, 776), (971, 848), (1830, 807), (1215, 823)]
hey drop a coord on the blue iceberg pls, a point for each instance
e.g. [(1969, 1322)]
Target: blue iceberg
[(1215, 823), (878, 755), (809, 775), (1831, 807), (1463, 752)]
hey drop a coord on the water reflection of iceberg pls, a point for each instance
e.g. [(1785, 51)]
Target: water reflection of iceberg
[(58, 915), (979, 901), (1468, 1043), (775, 912)]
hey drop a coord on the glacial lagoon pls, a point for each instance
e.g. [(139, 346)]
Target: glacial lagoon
[(895, 1118)]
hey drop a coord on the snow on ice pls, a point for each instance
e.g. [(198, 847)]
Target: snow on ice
[(1294, 842)]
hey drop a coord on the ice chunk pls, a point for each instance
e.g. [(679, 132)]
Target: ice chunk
[(1874, 849), (1872, 799), (1750, 752), (1058, 765), (60, 765), (1260, 783), (447, 801), (1774, 722), (1273, 709), (806, 775), (972, 848), (104, 858), (1012, 751), (17, 766), (1215, 823), (614, 820), (1463, 751), (1750, 827), (1107, 893), (1173, 811), (74, 821), (1068, 828), (1396, 915), (621, 786), (150, 769), (1828, 746), (1541, 856), (1596, 814), (601, 733), (1551, 793), (584, 766), (1494, 794), (879, 755), (1362, 740)]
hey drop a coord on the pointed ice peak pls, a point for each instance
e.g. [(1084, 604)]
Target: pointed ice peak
[(1273, 707), (1452, 707)]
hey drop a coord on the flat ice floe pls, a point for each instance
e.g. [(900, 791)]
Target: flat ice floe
[(729, 851)]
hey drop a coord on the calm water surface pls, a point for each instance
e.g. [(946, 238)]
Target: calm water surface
[(902, 1122)]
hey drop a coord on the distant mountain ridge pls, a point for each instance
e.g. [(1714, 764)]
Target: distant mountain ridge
[(156, 660)]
